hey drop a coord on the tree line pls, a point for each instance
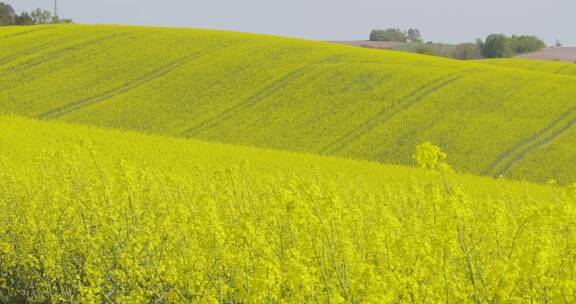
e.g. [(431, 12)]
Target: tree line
[(395, 34), (8, 16), (502, 46), (494, 46), (499, 46)]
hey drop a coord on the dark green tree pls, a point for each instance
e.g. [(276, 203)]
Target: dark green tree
[(7, 14), (526, 44), (23, 19), (388, 35), (414, 35), (497, 46)]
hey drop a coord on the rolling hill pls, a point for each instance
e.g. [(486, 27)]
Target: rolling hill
[(294, 95), (116, 216), (552, 67)]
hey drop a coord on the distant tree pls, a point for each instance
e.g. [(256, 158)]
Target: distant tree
[(7, 14), (23, 19), (502, 46), (388, 35), (41, 16), (57, 20), (414, 35), (376, 35), (37, 16), (497, 46), (467, 51)]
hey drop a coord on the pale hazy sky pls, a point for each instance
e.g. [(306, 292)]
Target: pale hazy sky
[(439, 20)]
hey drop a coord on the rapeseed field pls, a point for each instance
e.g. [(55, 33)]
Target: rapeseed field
[(295, 95), (105, 216), (164, 165)]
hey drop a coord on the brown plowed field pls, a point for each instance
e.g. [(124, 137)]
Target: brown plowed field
[(567, 54), (370, 44)]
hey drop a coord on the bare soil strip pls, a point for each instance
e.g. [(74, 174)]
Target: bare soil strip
[(370, 44), (566, 54)]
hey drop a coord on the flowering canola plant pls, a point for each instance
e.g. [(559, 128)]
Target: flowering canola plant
[(100, 216)]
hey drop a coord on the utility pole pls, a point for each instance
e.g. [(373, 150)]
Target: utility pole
[(56, 8)]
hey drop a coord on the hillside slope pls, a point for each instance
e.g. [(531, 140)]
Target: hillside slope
[(188, 157), (109, 216), (292, 95), (552, 67)]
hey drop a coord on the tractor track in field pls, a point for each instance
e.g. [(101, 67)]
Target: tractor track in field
[(256, 98), (392, 110), (36, 62), (153, 75), (22, 33), (562, 68), (33, 50), (507, 159)]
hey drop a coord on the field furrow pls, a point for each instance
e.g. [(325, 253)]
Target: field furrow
[(254, 99), (506, 160), (392, 110), (562, 68), (26, 32), (33, 50), (55, 54), (74, 106)]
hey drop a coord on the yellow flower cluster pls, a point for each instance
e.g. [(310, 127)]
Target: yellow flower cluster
[(107, 220)]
